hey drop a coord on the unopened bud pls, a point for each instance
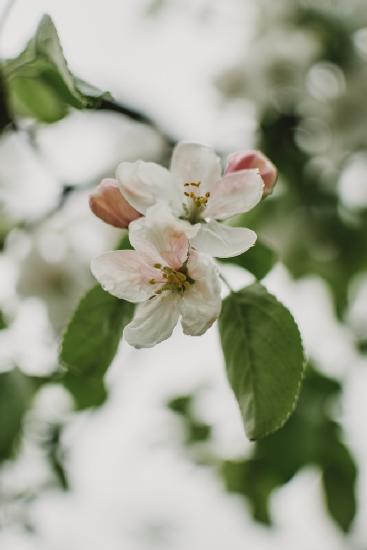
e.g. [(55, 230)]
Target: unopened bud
[(108, 204), (245, 160)]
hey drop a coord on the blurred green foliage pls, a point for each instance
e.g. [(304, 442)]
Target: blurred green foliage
[(16, 393), (259, 260), (196, 430), (3, 323), (310, 437), (311, 115)]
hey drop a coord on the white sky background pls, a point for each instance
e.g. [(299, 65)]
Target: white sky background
[(132, 487)]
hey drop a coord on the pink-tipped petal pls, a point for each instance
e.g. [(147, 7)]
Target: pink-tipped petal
[(161, 238), (126, 275), (108, 204), (245, 160), (235, 193)]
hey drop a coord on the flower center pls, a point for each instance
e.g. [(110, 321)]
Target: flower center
[(175, 281), (197, 202), (192, 190)]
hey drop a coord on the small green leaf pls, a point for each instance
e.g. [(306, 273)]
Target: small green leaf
[(259, 260), (264, 358), (39, 82), (16, 392), (90, 343)]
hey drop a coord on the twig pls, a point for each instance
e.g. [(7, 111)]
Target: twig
[(137, 116)]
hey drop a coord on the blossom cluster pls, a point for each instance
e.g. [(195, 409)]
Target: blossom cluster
[(174, 218)]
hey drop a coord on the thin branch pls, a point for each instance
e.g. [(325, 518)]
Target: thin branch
[(135, 115)]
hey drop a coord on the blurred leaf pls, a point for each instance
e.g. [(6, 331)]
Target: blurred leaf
[(5, 117), (40, 84), (264, 358), (3, 323), (52, 446), (196, 430), (339, 477), (311, 436), (90, 343), (306, 222), (180, 405), (16, 392), (37, 99), (259, 260), (124, 242)]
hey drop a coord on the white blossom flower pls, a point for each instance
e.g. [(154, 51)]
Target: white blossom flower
[(196, 191), (165, 275)]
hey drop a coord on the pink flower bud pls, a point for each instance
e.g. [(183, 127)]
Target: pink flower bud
[(108, 204), (244, 160)]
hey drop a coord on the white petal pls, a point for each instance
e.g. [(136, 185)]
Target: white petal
[(144, 183), (196, 162), (161, 237), (223, 241), (153, 321), (125, 274), (235, 193), (201, 303)]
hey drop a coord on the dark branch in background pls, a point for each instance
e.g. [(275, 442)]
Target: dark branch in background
[(137, 116), (6, 120)]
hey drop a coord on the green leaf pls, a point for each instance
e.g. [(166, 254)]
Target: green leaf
[(16, 392), (339, 478), (259, 260), (90, 343), (264, 358), (40, 84)]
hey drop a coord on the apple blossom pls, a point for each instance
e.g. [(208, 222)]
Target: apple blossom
[(165, 276), (108, 204), (195, 190), (243, 160)]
